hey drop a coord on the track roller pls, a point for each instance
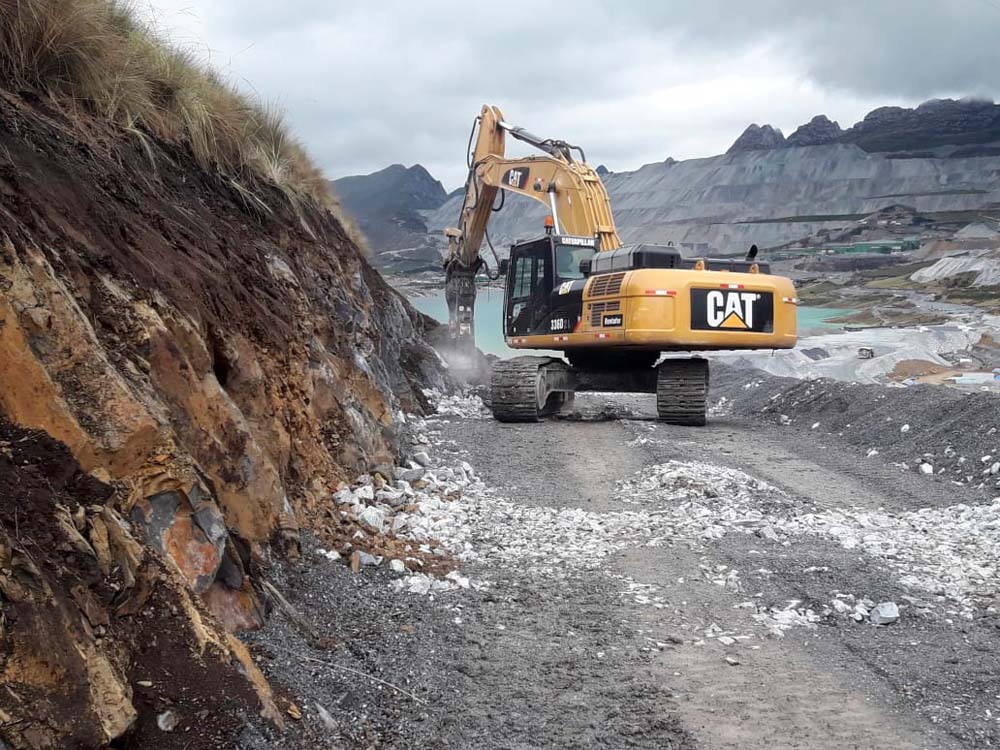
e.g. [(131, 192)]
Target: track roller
[(525, 389), (682, 391)]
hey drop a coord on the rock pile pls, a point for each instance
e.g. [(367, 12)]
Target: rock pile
[(948, 553)]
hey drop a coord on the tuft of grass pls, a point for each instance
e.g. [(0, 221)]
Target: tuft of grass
[(100, 57)]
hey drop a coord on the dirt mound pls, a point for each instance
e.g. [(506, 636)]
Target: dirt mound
[(953, 432)]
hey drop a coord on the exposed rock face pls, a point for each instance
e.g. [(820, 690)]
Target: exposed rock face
[(387, 205), (819, 131), (214, 363), (97, 635), (758, 138)]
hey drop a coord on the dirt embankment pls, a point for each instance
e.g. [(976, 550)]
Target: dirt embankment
[(929, 428), (215, 362)]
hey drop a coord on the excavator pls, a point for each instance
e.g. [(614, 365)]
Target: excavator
[(611, 309)]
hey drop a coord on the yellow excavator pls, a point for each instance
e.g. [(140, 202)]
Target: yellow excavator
[(612, 309)]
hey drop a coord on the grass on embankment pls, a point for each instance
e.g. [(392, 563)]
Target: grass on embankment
[(100, 57)]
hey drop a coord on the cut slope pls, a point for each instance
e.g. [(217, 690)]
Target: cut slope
[(215, 354)]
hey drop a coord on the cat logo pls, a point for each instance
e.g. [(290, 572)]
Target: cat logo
[(516, 178), (731, 309)]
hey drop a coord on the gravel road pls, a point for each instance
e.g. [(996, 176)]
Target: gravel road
[(712, 591)]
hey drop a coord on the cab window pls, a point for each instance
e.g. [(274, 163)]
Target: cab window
[(568, 259)]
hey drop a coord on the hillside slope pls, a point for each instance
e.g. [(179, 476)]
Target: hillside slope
[(201, 364), (388, 207)]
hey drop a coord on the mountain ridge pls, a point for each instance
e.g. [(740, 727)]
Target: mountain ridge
[(931, 124), (938, 157)]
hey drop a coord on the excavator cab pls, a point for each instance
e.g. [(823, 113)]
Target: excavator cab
[(545, 282)]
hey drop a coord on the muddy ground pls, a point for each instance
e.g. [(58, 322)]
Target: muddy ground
[(626, 653)]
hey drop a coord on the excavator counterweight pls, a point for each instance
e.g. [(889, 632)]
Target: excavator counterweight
[(612, 309)]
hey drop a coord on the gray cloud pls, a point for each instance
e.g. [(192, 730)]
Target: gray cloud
[(367, 84)]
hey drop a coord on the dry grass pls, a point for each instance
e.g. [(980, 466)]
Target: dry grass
[(98, 56)]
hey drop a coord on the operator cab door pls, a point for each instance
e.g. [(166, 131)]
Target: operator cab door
[(529, 285), (545, 283)]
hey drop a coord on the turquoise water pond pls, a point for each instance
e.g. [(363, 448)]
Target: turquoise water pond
[(489, 318)]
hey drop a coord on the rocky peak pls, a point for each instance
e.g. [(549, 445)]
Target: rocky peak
[(758, 138), (819, 131), (393, 189), (936, 122)]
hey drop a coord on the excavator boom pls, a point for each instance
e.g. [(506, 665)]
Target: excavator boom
[(573, 192)]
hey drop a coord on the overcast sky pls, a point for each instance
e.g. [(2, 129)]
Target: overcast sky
[(367, 84)]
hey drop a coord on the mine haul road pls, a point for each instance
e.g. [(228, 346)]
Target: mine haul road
[(679, 639)]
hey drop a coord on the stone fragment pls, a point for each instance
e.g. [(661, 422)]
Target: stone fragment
[(422, 458), (397, 566), (411, 475), (457, 578), (167, 721), (368, 560), (373, 518), (769, 533), (884, 614)]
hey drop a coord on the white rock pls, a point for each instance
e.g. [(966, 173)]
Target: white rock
[(167, 721), (926, 468), (369, 560), (905, 428), (422, 458), (373, 518), (411, 475), (884, 614), (769, 533), (459, 579), (365, 493), (840, 606), (397, 566), (419, 584)]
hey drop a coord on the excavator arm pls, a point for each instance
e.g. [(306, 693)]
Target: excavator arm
[(573, 192)]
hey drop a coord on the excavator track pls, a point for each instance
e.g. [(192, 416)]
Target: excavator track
[(521, 388), (682, 391)]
